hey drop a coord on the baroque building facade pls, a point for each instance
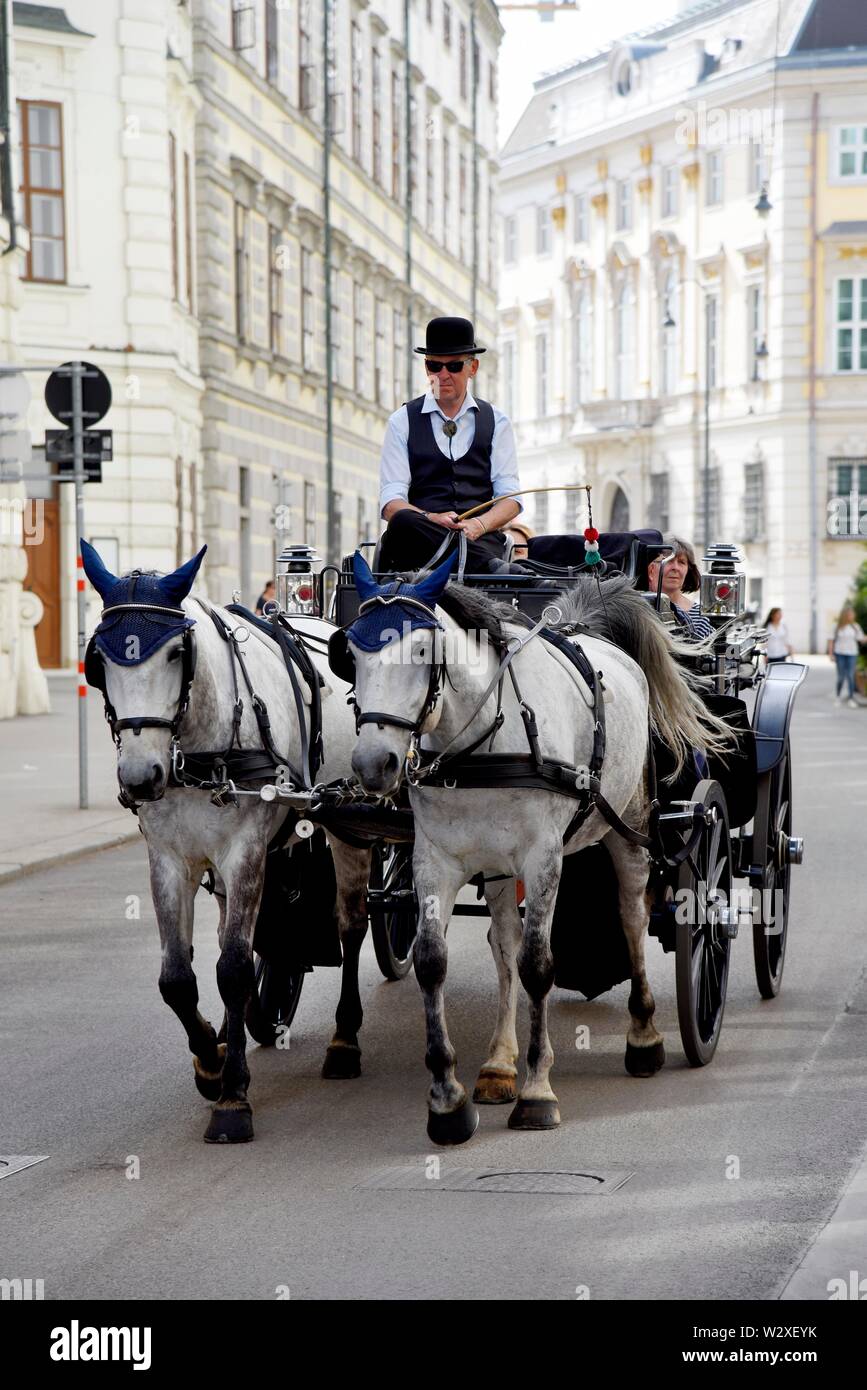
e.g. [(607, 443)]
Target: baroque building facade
[(683, 296)]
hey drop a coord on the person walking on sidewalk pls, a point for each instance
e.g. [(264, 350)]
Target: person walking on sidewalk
[(843, 646), (778, 648)]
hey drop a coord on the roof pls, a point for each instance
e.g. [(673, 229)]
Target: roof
[(845, 229), (832, 24), (45, 17)]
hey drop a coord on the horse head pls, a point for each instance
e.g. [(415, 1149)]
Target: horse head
[(142, 658)]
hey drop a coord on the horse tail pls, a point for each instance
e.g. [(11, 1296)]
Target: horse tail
[(678, 716)]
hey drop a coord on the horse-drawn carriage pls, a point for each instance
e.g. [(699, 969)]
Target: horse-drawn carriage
[(725, 817)]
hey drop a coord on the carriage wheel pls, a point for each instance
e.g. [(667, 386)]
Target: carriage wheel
[(772, 829), (272, 1007), (703, 942), (393, 917)]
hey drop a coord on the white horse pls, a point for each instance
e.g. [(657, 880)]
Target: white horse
[(160, 699), (413, 685)]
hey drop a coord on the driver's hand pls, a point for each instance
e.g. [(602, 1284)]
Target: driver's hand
[(473, 529), (447, 519)]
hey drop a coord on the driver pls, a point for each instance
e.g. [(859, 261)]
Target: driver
[(444, 453)]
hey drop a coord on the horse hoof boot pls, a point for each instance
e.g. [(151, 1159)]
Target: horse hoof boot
[(495, 1087), (341, 1063), (209, 1083), (535, 1114), (644, 1061), (230, 1124), (454, 1128)]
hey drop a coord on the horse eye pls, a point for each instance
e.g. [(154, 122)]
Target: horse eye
[(174, 654)]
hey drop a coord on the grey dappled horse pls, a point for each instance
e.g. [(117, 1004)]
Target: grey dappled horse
[(508, 831), (187, 834)]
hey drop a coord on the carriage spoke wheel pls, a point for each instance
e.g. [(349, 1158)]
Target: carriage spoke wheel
[(702, 941), (393, 908), (272, 1006), (772, 829)]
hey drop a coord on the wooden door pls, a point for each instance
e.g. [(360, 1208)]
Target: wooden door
[(43, 577)]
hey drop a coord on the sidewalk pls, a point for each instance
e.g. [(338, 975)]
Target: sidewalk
[(40, 821)]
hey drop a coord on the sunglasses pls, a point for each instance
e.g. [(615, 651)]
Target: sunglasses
[(435, 367)]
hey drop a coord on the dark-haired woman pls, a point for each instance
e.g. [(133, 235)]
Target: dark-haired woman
[(680, 580)]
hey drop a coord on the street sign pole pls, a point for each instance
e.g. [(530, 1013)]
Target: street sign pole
[(77, 370)]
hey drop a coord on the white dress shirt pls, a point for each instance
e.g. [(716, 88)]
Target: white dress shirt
[(394, 472)]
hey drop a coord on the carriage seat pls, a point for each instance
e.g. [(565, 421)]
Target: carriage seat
[(629, 552)]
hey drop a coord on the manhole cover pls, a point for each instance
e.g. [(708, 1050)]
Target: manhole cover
[(13, 1163), (426, 1177)]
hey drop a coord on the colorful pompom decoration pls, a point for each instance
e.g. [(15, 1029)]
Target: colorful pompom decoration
[(591, 534), (592, 557)]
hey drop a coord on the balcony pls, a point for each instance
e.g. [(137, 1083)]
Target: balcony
[(621, 415)]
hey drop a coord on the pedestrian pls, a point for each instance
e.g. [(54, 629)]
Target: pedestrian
[(268, 595), (843, 646), (778, 648)]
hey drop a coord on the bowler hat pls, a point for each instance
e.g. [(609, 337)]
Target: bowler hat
[(448, 336)]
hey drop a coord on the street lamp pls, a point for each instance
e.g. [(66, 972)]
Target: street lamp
[(760, 355), (764, 205)]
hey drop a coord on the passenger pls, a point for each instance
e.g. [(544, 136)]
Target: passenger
[(520, 534), (680, 580)]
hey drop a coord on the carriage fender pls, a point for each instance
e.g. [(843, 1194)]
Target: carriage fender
[(773, 712)]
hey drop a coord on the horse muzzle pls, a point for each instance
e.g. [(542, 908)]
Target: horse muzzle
[(378, 770), (143, 781)]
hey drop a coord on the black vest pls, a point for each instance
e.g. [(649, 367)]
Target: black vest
[(438, 484)]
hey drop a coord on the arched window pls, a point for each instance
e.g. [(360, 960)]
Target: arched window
[(582, 347), (670, 344), (619, 512), (624, 342)]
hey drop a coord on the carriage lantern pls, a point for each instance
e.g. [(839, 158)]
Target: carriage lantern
[(297, 590), (723, 582)]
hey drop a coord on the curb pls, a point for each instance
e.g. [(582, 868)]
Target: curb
[(10, 871)]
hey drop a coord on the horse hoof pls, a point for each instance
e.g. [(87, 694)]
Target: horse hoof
[(535, 1114), (456, 1127), (495, 1087), (342, 1063), (232, 1124), (644, 1061), (209, 1083)]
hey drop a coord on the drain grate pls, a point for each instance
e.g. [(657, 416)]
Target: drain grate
[(13, 1163), (554, 1182)]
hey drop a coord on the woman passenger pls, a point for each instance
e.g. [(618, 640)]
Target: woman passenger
[(680, 581)]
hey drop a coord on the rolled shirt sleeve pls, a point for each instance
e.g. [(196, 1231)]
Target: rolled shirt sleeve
[(504, 459), (394, 474)]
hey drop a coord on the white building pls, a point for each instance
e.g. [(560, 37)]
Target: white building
[(638, 276)]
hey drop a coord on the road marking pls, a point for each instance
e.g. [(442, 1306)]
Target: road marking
[(13, 1163)]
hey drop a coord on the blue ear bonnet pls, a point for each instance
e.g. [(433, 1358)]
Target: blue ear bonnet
[(152, 629), (387, 622)]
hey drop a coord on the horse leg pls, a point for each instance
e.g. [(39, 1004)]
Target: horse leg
[(352, 870), (496, 1083), (537, 1107), (452, 1117), (645, 1052), (232, 1118), (173, 887)]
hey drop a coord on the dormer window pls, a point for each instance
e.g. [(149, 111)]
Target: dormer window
[(623, 78)]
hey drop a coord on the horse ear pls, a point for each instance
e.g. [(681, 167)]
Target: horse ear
[(364, 581), (431, 587), (176, 586), (101, 578)]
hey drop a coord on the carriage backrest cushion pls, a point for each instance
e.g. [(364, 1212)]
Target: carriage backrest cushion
[(614, 547)]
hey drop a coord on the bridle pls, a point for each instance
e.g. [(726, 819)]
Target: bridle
[(437, 669), (95, 675)]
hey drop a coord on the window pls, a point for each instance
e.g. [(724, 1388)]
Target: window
[(670, 343), (396, 133), (243, 27), (624, 343), (429, 11), (357, 92), (462, 60), (543, 231), (670, 190), (758, 167), (541, 513), (335, 364), (711, 330), (361, 519), (242, 272), (272, 52), (852, 152), (573, 509), (413, 151), (310, 513), (541, 375), (305, 57), (276, 252), (358, 380), (510, 240), (173, 204), (851, 347), (188, 230), (376, 98), (581, 217), (398, 329), (462, 206), (379, 385), (619, 511), (754, 502), (658, 514), (624, 206), (509, 379), (582, 348), (430, 183), (492, 82), (307, 325), (714, 186), (447, 24), (244, 537), (756, 327), (447, 183), (847, 498), (713, 506)]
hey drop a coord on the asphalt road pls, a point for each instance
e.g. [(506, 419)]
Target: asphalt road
[(95, 1070)]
